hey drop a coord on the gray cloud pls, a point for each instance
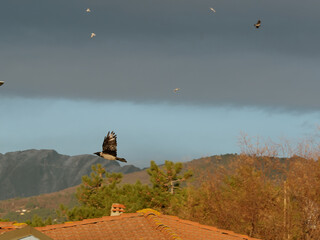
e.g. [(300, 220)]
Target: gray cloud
[(144, 49)]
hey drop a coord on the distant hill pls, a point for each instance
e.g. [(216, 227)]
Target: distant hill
[(44, 204), (201, 168), (34, 172)]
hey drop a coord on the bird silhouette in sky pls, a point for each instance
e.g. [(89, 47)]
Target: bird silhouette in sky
[(258, 24), (109, 148)]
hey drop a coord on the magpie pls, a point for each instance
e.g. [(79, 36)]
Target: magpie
[(109, 148), (258, 24)]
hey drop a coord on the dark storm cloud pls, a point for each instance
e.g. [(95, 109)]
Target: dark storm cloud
[(144, 49)]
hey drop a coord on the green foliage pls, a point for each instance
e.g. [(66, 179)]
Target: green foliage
[(38, 221), (99, 190), (264, 197), (168, 179), (100, 186), (4, 220), (43, 213), (166, 185), (134, 196), (83, 212), (48, 221)]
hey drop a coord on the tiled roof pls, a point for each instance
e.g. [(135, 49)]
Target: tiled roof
[(146, 224), (126, 226), (192, 230), (9, 226), (177, 228), (23, 232)]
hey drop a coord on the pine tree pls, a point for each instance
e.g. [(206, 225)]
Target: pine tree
[(36, 221), (94, 189), (166, 184), (97, 192), (169, 179), (95, 195)]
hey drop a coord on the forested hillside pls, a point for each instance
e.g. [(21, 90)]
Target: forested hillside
[(34, 172)]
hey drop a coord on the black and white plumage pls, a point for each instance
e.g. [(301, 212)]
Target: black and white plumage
[(109, 148), (258, 24)]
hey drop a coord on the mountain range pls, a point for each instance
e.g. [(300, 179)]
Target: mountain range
[(34, 172), (38, 181)]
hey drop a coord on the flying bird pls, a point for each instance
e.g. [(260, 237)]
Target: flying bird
[(93, 35), (176, 90), (109, 148), (88, 10), (1, 82), (212, 9), (258, 24)]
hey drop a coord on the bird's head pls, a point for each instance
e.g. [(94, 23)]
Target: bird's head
[(97, 153)]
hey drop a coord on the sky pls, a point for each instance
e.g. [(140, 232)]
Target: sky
[(64, 90)]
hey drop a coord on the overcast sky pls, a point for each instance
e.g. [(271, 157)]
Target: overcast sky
[(229, 72)]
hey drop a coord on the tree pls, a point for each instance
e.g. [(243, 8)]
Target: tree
[(95, 195), (303, 197), (99, 190), (166, 183), (238, 197), (169, 179), (95, 189), (36, 221)]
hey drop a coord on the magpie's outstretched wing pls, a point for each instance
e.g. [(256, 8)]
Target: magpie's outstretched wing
[(109, 145)]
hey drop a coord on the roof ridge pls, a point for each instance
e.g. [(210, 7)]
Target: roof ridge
[(154, 216), (88, 221)]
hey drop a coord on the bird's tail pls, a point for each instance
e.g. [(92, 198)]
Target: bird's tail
[(121, 159)]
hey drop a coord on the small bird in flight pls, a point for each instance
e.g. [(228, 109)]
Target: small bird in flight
[(1, 82), (93, 35), (88, 10), (109, 148), (258, 24), (212, 9), (176, 90)]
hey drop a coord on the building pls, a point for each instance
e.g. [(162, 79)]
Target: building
[(117, 209), (146, 224), (12, 231)]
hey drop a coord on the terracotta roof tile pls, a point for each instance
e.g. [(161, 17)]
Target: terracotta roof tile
[(10, 226), (117, 205), (126, 226), (193, 230), (146, 224)]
